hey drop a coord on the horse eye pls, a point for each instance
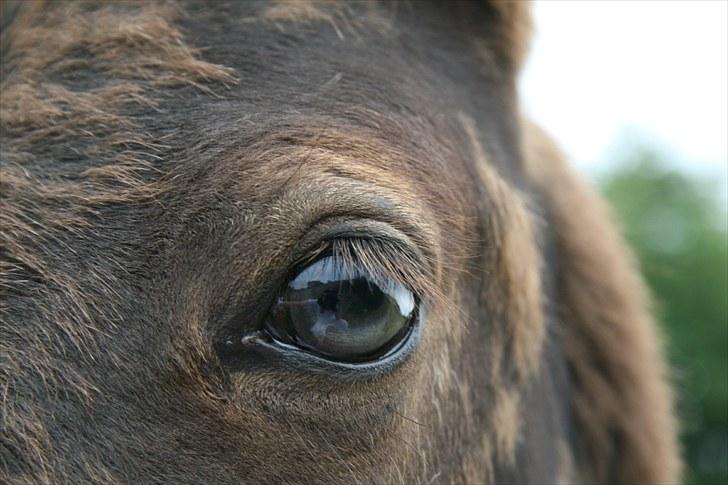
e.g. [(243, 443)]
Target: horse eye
[(337, 311)]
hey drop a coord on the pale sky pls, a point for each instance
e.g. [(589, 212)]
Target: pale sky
[(599, 69)]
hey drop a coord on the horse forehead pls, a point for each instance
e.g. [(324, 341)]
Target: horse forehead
[(270, 62)]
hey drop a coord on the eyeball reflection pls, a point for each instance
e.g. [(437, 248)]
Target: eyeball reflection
[(339, 312)]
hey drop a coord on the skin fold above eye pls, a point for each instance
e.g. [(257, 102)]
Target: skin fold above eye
[(338, 311)]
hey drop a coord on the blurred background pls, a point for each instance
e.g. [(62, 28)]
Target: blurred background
[(636, 93)]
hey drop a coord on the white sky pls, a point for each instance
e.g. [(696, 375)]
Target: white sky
[(600, 69)]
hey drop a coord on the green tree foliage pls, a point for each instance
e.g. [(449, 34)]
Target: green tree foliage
[(677, 228)]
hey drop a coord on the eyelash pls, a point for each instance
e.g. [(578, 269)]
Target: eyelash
[(381, 259)]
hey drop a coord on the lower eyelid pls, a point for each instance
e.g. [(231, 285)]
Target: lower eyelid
[(262, 353)]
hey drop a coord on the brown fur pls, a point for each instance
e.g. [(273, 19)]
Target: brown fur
[(154, 195), (335, 13), (622, 401)]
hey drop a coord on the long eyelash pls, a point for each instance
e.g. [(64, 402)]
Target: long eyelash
[(383, 261), (387, 263)]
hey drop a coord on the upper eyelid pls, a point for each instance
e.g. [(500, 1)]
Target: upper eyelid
[(361, 203), (381, 259), (327, 207), (377, 247), (374, 255)]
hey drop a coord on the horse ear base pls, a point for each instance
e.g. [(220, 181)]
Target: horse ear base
[(515, 25), (503, 27), (622, 402)]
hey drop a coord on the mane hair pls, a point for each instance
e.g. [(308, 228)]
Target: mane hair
[(626, 429)]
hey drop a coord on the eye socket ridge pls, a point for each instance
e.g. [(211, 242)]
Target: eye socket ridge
[(346, 303)]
